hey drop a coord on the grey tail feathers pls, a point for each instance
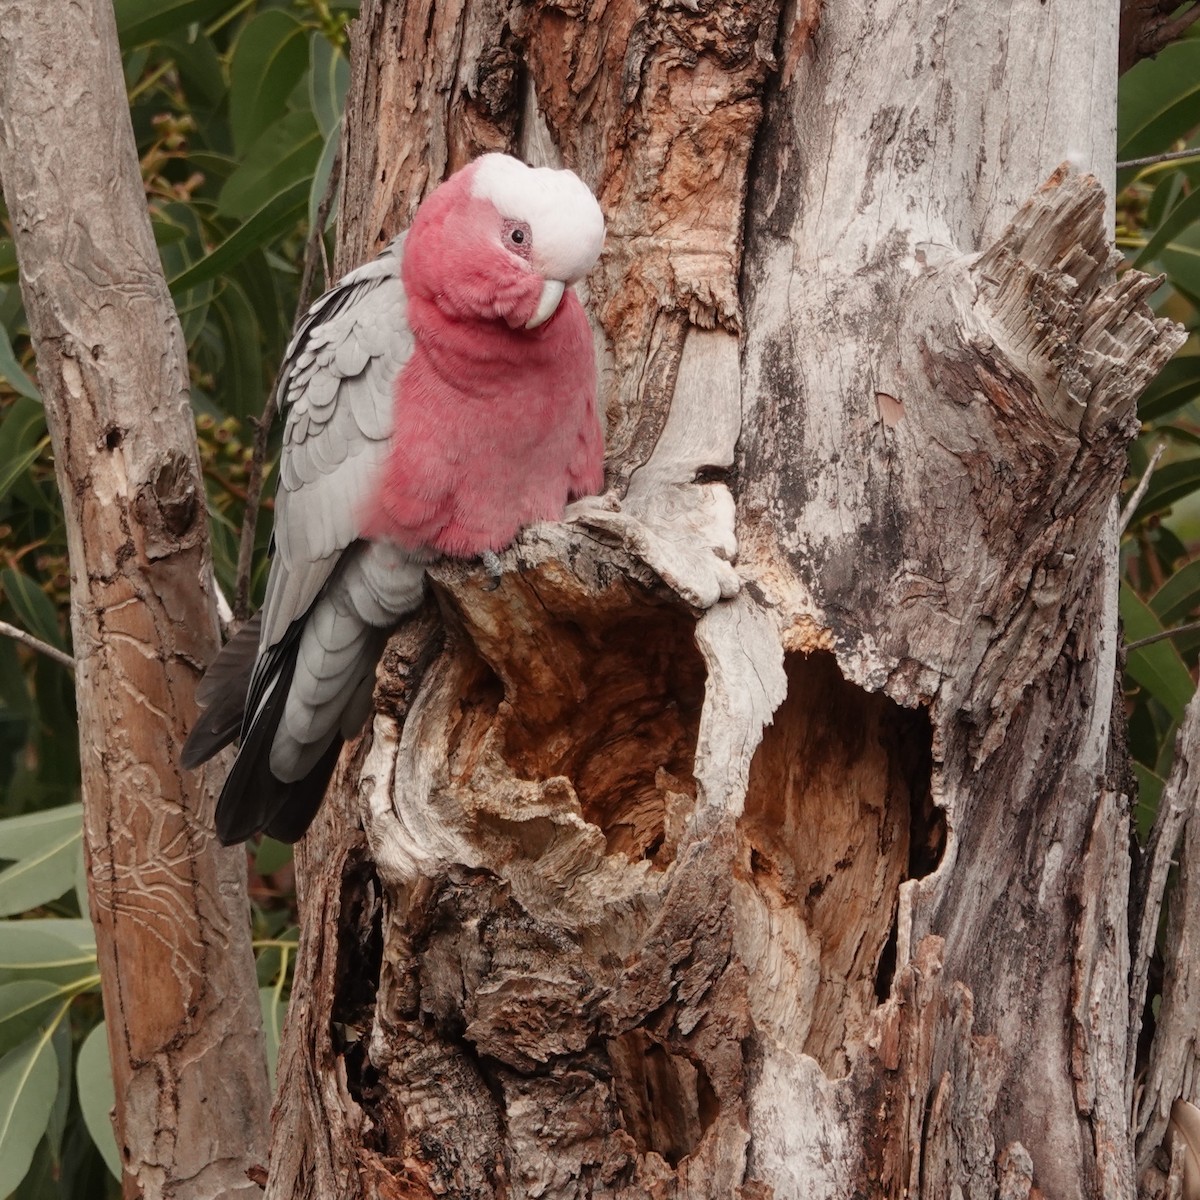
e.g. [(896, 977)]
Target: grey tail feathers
[(222, 696), (253, 800)]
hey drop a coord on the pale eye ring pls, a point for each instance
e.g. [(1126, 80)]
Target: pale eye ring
[(518, 238)]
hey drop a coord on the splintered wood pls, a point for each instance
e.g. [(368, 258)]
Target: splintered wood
[(753, 837)]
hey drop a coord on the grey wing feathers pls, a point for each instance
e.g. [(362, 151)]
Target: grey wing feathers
[(336, 388)]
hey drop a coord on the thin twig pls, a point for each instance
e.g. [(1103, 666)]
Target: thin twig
[(36, 643), (1162, 635), (1139, 492), (262, 431), (1151, 159)]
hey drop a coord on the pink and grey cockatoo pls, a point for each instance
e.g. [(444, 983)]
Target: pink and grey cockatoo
[(438, 399)]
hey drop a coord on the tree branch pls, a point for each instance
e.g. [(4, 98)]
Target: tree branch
[(1146, 29), (1138, 492), (169, 907), (36, 643), (1191, 627), (1151, 159)]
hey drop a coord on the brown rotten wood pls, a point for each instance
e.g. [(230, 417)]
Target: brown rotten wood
[(807, 876), (169, 906)]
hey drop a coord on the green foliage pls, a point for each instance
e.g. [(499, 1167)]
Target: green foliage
[(1158, 227), (236, 108)]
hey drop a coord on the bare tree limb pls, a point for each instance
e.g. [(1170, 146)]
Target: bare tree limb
[(1146, 28), (1191, 627), (1138, 492), (168, 905), (1151, 159), (36, 643)]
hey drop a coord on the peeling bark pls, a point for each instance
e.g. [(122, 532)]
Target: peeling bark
[(169, 906), (1171, 1073), (807, 876)]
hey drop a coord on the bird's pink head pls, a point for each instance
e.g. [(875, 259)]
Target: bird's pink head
[(500, 240)]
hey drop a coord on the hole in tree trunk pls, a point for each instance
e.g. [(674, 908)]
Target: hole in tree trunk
[(666, 1100), (360, 956), (609, 698), (838, 813)]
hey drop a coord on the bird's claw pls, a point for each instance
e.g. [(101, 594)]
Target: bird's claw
[(491, 564)]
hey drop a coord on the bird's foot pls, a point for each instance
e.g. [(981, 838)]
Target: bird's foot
[(491, 564)]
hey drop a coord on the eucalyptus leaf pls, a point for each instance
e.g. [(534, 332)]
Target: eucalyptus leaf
[(56, 1126), (274, 1011), (32, 606), (1150, 788), (1157, 667), (1180, 258), (275, 216), (33, 832), (199, 66), (11, 371), (1177, 384), (93, 1078), (23, 437), (270, 55), (241, 387), (8, 260), (1179, 596), (42, 876), (44, 948), (28, 1086), (286, 153), (328, 79), (1159, 101), (26, 1008), (140, 21), (1168, 485), (1185, 213), (272, 856), (42, 1180), (320, 179)]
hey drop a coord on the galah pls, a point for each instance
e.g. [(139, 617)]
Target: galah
[(438, 399)]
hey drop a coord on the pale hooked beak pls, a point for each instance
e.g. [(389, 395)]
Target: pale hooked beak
[(552, 293)]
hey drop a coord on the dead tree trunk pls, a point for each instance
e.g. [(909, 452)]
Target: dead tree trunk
[(803, 874), (172, 929)]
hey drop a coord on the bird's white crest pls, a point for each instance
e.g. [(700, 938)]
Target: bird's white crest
[(567, 224)]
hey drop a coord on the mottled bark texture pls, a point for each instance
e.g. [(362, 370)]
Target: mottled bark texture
[(1147, 26), (758, 836), (169, 906)]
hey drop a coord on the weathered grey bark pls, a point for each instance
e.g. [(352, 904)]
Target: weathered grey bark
[(170, 910), (809, 877), (1171, 1075)]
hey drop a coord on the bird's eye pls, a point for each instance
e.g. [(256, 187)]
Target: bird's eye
[(518, 237)]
